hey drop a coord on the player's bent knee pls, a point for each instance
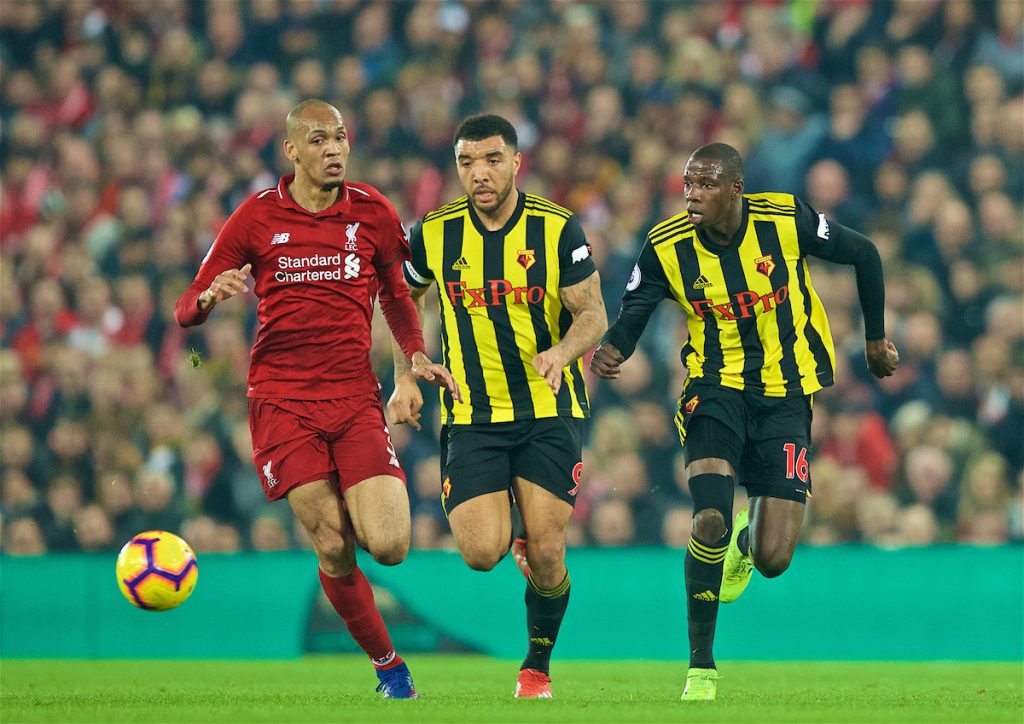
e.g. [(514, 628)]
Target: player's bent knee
[(545, 559), (774, 564), (334, 552), (712, 504), (391, 553), (481, 559), (335, 560), (709, 525)]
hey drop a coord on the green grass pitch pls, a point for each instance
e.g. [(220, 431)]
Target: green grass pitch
[(478, 689)]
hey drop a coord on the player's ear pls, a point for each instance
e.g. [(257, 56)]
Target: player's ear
[(289, 150), (517, 160)]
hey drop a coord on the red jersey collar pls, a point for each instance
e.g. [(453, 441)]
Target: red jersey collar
[(341, 206)]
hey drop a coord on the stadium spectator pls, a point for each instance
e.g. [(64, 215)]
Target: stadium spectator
[(675, 527), (612, 523), (23, 537), (267, 533), (93, 530), (916, 527)]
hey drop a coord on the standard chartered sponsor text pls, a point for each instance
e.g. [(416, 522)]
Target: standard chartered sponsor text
[(315, 268)]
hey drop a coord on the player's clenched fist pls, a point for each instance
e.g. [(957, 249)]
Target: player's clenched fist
[(606, 362), (882, 357), (224, 286)]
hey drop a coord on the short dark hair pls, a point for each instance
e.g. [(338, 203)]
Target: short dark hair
[(486, 125), (732, 162)]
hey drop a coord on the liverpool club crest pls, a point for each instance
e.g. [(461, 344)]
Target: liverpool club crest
[(765, 265)]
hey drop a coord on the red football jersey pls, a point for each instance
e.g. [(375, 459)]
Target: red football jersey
[(316, 277)]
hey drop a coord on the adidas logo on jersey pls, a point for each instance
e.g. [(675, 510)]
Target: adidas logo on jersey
[(701, 283), (706, 596), (460, 264)]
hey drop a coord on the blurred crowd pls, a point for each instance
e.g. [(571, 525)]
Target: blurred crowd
[(130, 130)]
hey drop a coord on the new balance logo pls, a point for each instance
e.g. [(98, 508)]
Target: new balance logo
[(706, 596), (460, 264), (701, 283), (281, 238)]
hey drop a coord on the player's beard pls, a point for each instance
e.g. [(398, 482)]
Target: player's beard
[(499, 199)]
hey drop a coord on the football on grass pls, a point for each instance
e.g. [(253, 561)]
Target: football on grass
[(156, 570)]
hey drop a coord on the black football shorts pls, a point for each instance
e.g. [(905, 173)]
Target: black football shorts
[(481, 458), (765, 439)]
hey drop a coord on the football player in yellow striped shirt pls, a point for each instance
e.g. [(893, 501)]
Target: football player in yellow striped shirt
[(759, 347), (520, 303)]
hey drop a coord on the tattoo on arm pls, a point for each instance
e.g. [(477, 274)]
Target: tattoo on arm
[(403, 365), (589, 318)]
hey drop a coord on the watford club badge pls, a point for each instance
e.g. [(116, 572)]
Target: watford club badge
[(526, 258), (692, 405), (765, 265)]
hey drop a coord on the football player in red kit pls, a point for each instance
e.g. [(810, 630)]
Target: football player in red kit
[(319, 249)]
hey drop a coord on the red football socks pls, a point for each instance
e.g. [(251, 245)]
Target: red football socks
[(352, 598)]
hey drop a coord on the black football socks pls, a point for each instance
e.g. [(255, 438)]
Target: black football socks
[(703, 569), (545, 609)]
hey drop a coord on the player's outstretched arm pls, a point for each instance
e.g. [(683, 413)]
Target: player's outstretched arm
[(882, 357), (843, 245), (589, 322), (645, 288)]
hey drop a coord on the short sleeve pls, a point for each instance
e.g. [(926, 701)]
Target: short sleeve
[(575, 262), (417, 273)]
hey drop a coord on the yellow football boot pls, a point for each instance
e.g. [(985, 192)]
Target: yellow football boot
[(701, 685), (738, 568)]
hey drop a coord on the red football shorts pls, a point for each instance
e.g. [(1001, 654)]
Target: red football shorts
[(295, 442)]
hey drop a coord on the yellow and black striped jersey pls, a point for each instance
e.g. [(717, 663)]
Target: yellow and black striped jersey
[(500, 306), (755, 322)]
